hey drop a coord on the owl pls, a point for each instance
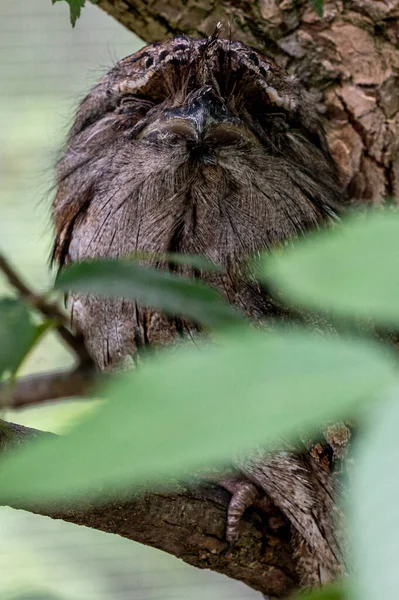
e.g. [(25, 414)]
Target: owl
[(192, 146), (199, 147)]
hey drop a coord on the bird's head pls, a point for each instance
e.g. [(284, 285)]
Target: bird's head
[(197, 146), (188, 143)]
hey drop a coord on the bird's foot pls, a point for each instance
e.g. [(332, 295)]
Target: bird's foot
[(244, 494)]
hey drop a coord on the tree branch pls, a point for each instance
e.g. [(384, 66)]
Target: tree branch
[(36, 389), (188, 523)]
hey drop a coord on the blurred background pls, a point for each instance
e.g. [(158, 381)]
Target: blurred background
[(46, 67)]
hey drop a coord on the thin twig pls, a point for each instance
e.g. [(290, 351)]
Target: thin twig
[(45, 387), (50, 310)]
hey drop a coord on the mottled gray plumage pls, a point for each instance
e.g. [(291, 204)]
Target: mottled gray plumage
[(197, 147), (305, 490)]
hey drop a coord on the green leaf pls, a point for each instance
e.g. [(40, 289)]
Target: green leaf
[(191, 260), (374, 513), (33, 595), (318, 6), (197, 406), (195, 261), (175, 294), (17, 333), (351, 270), (334, 591), (75, 7)]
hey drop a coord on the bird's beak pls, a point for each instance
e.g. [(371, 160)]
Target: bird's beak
[(204, 119)]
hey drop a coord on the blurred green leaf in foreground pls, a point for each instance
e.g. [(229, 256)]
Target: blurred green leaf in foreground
[(374, 510), (174, 294), (351, 270), (194, 407), (334, 591), (17, 333)]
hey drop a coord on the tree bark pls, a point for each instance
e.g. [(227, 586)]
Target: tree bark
[(349, 58), (188, 523), (47, 387)]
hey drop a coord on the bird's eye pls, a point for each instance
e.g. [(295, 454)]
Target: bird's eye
[(134, 106)]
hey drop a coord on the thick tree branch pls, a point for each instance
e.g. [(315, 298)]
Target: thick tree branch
[(349, 58), (188, 523)]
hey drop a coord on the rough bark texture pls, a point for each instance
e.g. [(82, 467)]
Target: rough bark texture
[(189, 523), (349, 58)]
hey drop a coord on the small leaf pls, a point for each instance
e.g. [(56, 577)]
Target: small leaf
[(374, 513), (175, 294), (17, 333), (334, 591), (194, 407), (196, 262), (191, 260), (351, 270), (318, 6), (75, 7)]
